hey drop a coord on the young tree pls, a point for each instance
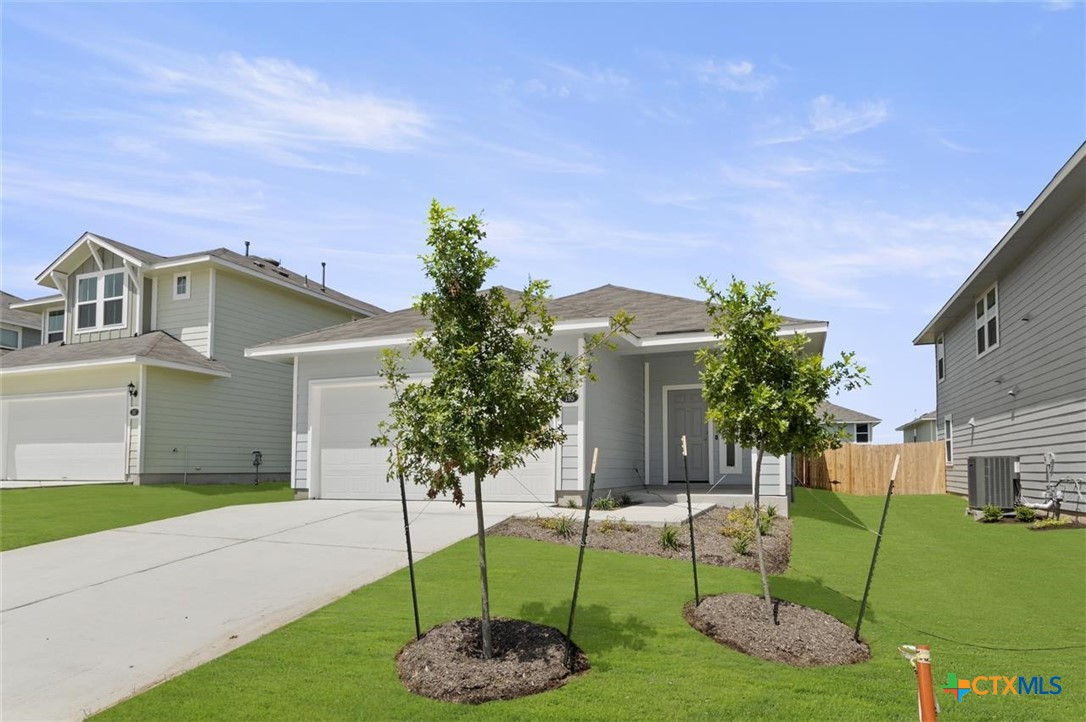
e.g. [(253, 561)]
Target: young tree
[(762, 389), (496, 389)]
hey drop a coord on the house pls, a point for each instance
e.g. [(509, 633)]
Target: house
[(859, 426), (18, 328), (144, 378), (647, 396), (922, 428), (1010, 347)]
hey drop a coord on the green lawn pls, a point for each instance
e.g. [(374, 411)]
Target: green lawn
[(939, 574), (33, 516)]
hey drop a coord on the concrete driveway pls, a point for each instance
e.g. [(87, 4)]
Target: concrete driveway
[(89, 621)]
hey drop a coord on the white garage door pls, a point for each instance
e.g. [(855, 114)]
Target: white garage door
[(74, 437), (345, 466)]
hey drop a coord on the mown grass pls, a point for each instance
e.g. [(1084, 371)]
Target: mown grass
[(33, 516), (939, 574)]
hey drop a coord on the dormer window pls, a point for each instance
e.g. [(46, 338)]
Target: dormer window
[(100, 301), (180, 286)]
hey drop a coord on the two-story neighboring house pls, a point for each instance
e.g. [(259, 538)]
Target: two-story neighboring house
[(18, 328), (1010, 346), (142, 376)]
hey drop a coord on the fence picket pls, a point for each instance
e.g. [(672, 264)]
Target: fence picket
[(863, 468)]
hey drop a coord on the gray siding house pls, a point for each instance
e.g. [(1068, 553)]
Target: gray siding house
[(144, 379), (922, 428), (18, 328), (859, 426), (1010, 346), (648, 395)]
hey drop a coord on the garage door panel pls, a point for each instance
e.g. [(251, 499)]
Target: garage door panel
[(79, 437), (349, 468)]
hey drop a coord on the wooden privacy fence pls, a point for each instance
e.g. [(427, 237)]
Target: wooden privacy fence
[(865, 469)]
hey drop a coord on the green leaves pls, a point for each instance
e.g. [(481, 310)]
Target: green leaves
[(762, 389), (497, 387)]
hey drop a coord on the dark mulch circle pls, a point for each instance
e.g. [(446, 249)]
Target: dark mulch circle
[(805, 637), (447, 663), (713, 546)]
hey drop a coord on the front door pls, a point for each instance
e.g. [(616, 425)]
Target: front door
[(686, 416)]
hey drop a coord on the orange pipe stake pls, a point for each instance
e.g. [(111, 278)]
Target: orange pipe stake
[(924, 684)]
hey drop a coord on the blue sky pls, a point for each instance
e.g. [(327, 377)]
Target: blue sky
[(862, 157)]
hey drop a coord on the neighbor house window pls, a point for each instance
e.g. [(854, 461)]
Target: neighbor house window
[(54, 326), (940, 358), (9, 338), (181, 286), (863, 433), (948, 439), (99, 300), (987, 318)]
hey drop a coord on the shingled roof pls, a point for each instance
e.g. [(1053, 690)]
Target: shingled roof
[(846, 416), (655, 314), (155, 348), (14, 315)]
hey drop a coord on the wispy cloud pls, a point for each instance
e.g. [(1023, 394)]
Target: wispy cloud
[(828, 118), (836, 118), (739, 76), (273, 106)]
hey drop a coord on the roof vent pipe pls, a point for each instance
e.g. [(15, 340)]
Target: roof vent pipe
[(246, 248), (323, 264)]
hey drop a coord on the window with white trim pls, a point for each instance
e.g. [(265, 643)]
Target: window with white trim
[(731, 458), (54, 326), (180, 286), (863, 433), (940, 358), (9, 338), (948, 439), (100, 301), (987, 320)]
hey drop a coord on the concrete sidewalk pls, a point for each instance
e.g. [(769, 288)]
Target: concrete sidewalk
[(89, 621)]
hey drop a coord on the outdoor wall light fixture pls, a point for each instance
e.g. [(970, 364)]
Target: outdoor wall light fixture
[(1013, 391), (972, 421), (132, 390)]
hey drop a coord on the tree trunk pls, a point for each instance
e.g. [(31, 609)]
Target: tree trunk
[(488, 651), (758, 532)]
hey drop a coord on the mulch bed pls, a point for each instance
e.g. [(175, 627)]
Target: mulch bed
[(805, 637), (447, 663), (713, 547)]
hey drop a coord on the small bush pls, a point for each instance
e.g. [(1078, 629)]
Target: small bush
[(572, 503), (991, 514), (626, 526), (669, 538), (764, 523), (625, 500), (607, 526), (562, 525), (1050, 522), (1025, 514), (605, 503), (771, 512), (741, 544)]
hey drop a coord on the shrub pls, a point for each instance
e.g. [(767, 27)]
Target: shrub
[(741, 544), (1025, 514), (991, 514), (1050, 522), (563, 525), (607, 526), (625, 526), (669, 538), (572, 503), (764, 523), (605, 503), (625, 500)]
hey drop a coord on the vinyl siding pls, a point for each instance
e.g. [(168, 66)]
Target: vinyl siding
[(216, 423), (1044, 357), (109, 261), (615, 420), (185, 319), (570, 479)]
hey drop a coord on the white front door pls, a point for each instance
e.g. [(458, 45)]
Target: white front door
[(65, 437), (345, 466)]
